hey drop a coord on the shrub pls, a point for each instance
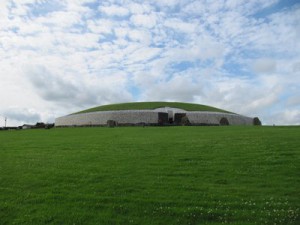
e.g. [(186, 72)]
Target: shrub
[(256, 121)]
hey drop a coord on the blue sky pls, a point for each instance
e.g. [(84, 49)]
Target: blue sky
[(57, 57)]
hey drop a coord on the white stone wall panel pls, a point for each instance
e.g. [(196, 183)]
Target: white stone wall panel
[(101, 118), (148, 117), (215, 117)]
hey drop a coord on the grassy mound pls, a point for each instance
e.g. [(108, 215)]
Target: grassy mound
[(152, 105)]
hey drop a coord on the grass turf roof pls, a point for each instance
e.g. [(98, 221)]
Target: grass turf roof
[(153, 105)]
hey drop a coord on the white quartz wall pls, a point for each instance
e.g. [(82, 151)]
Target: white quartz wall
[(101, 118), (215, 117), (148, 117)]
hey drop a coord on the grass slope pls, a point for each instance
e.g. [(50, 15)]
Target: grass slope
[(155, 175), (152, 105)]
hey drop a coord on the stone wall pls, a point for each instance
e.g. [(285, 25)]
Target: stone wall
[(215, 117), (148, 117), (100, 118)]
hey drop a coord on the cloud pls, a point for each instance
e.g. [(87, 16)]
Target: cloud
[(286, 117), (179, 25), (101, 26), (57, 57), (293, 101), (143, 55), (296, 67), (264, 66), (144, 20), (114, 10), (142, 36), (67, 91), (50, 87), (176, 89), (21, 115), (136, 8)]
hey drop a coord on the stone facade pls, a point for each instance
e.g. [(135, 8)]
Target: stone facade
[(161, 116), (215, 118), (124, 117)]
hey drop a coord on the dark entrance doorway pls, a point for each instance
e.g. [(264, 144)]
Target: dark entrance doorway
[(170, 116)]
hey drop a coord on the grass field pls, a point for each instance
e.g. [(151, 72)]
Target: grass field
[(153, 105), (151, 175)]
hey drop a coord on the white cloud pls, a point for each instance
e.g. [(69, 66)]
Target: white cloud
[(142, 36), (249, 7), (60, 57), (293, 101), (296, 67), (178, 88), (179, 25), (114, 10), (168, 2), (121, 32), (139, 8), (19, 115), (286, 117), (204, 49), (101, 26), (67, 89), (265, 66), (143, 55), (144, 20)]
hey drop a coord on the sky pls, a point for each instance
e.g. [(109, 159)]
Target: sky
[(62, 56)]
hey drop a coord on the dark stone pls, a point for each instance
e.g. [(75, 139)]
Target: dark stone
[(111, 123), (162, 118), (178, 118), (224, 121)]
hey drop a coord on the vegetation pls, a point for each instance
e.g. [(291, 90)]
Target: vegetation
[(153, 105), (153, 175), (256, 121)]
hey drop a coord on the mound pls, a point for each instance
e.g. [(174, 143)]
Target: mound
[(153, 113), (153, 105)]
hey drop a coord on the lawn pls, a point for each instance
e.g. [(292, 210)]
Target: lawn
[(153, 105), (151, 175)]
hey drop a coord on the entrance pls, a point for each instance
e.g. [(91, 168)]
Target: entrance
[(170, 116)]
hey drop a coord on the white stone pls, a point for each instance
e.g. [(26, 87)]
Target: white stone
[(132, 117)]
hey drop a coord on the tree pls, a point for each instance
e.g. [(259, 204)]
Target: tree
[(256, 121)]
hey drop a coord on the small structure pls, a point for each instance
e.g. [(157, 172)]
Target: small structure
[(27, 126)]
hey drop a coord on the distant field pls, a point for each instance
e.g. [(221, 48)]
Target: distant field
[(153, 105), (151, 175)]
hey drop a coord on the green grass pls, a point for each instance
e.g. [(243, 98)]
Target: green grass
[(152, 175), (153, 105)]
